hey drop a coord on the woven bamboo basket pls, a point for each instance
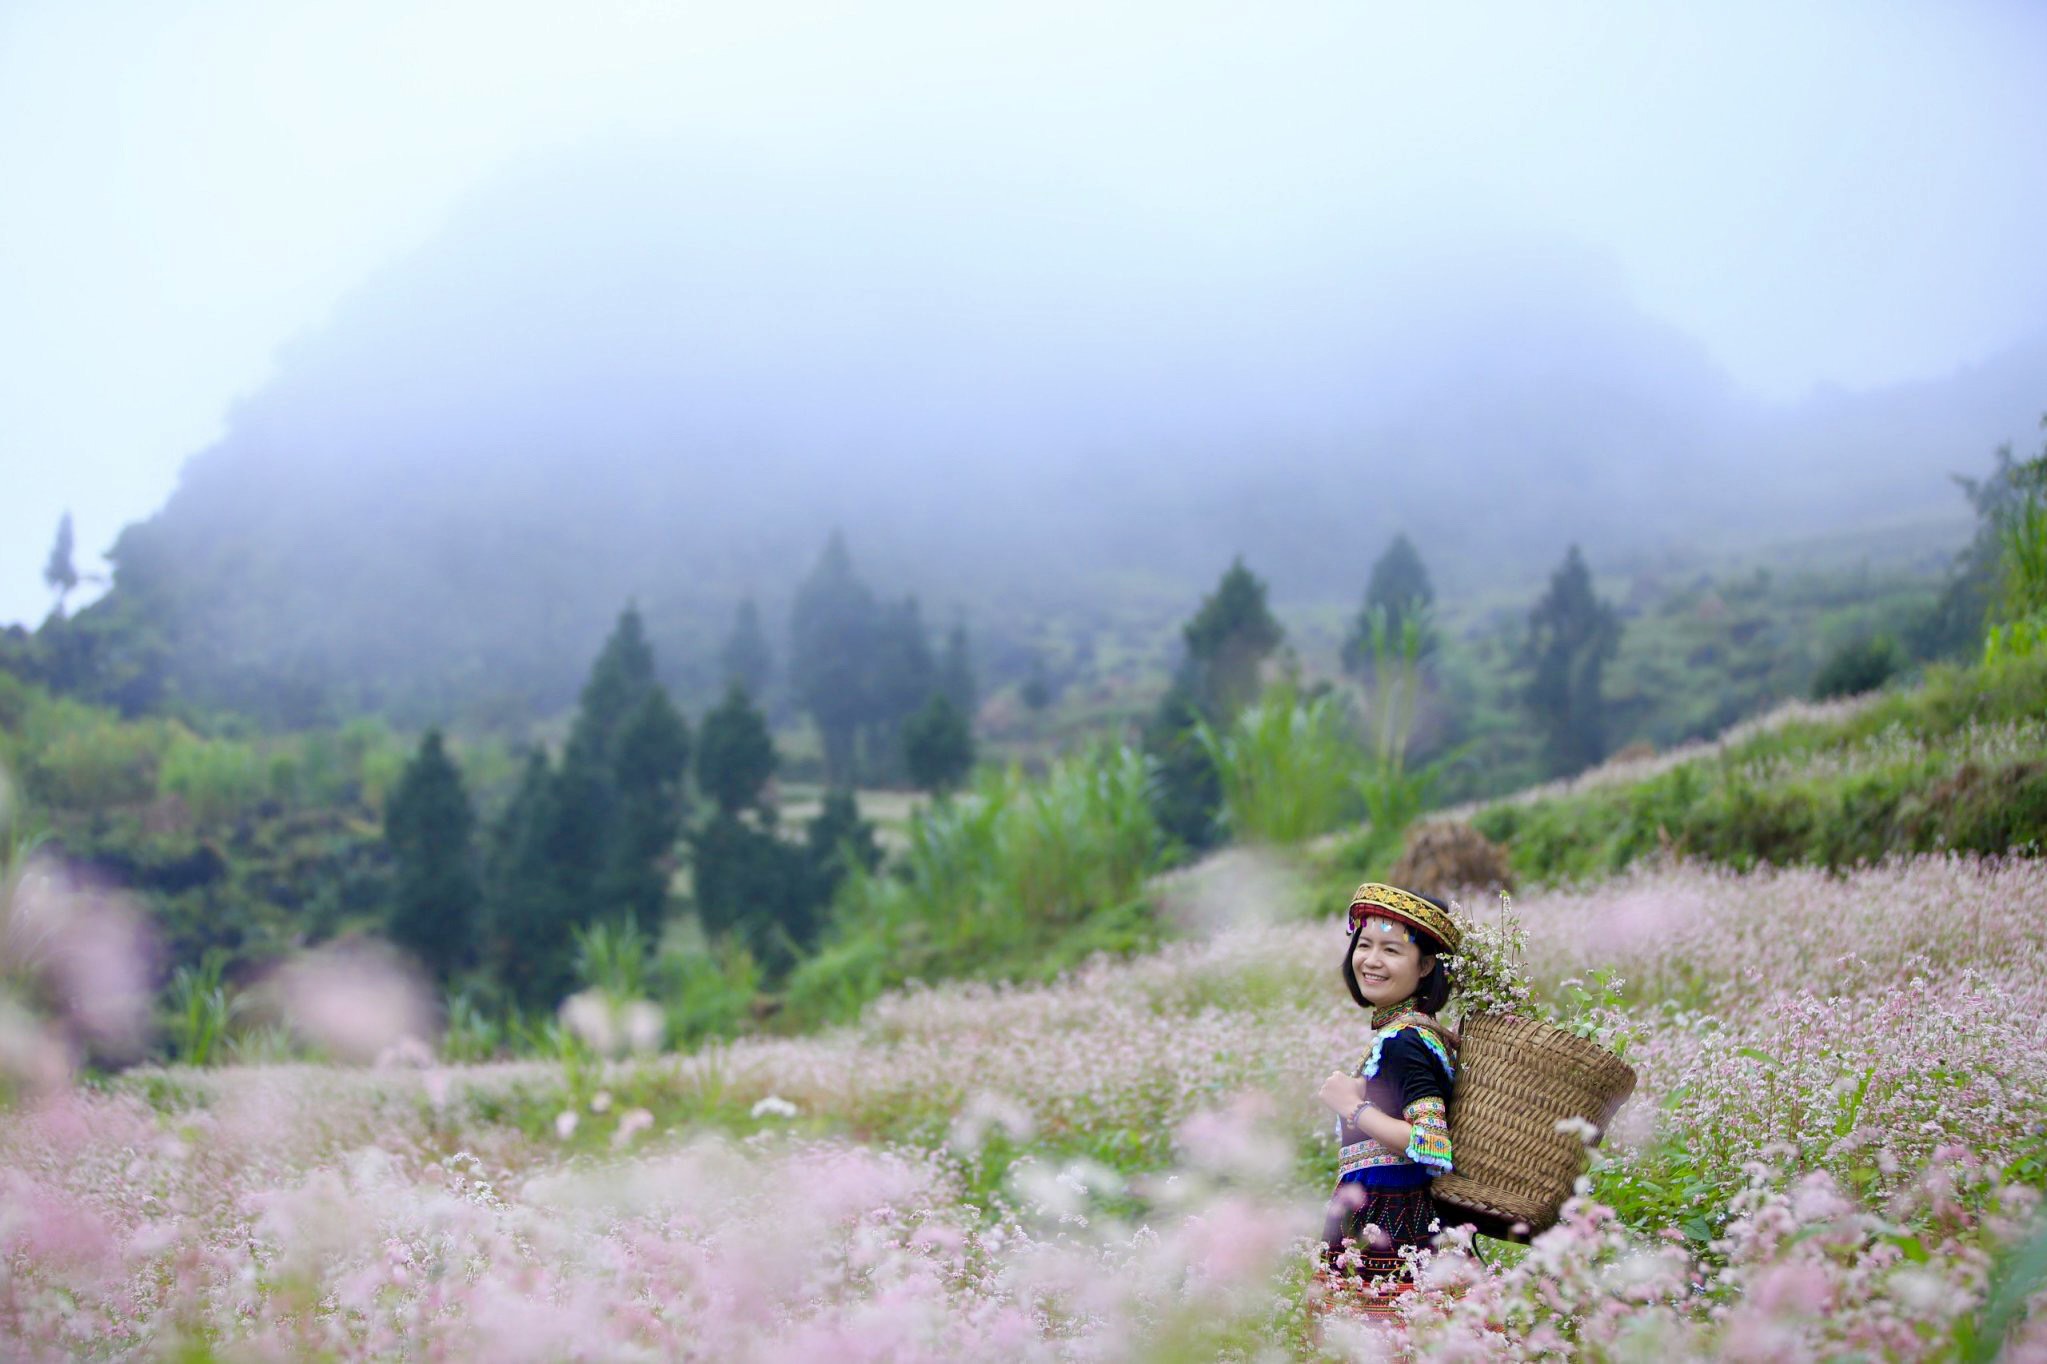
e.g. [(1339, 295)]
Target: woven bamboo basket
[(1516, 1079)]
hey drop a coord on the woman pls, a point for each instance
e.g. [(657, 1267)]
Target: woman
[(1393, 1134)]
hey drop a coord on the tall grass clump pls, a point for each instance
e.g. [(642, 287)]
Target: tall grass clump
[(1394, 793), (1287, 765), (1022, 877), (199, 1009)]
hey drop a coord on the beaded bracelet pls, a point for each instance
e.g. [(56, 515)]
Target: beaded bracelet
[(1356, 1111)]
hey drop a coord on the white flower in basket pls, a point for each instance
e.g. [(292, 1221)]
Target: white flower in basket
[(1533, 1093)]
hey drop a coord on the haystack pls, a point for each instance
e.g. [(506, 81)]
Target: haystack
[(1443, 857)]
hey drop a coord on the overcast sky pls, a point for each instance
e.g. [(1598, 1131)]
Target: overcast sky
[(1820, 193)]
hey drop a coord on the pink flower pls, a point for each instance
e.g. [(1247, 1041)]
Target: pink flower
[(356, 1000), (1800, 1290)]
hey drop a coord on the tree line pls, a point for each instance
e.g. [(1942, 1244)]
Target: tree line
[(592, 838), (600, 835), (1571, 636)]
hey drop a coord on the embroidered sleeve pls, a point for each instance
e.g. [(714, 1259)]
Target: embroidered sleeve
[(1428, 1141)]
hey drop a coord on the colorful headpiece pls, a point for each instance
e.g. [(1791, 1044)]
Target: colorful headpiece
[(1391, 902)]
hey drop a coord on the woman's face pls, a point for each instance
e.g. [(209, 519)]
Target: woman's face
[(1388, 965)]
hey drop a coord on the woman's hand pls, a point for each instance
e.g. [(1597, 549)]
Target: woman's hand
[(1340, 1093)]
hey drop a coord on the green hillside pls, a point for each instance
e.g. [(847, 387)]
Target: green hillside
[(721, 859)]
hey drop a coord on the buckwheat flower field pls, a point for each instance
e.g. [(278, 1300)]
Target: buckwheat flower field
[(1836, 1151)]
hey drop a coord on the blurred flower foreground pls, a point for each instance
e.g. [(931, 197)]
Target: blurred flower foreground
[(1836, 1153)]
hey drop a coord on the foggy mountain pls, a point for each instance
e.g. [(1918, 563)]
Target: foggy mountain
[(617, 376)]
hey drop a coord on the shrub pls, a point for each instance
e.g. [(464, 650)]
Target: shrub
[(1858, 666), (84, 758), (216, 778)]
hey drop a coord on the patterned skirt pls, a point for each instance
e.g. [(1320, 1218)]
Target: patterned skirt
[(1379, 1224)]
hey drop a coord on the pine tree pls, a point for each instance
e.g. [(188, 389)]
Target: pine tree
[(1398, 588), (1572, 634), (1228, 640), (593, 840), (746, 657), (735, 753), (1186, 791), (832, 623), (522, 936), (60, 573), (753, 886), (650, 756), (901, 676), (428, 826), (938, 746), (619, 680), (770, 894), (839, 839)]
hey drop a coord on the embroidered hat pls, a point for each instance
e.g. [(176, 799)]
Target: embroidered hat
[(1391, 902)]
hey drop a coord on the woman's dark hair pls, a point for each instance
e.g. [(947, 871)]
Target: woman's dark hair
[(1432, 992)]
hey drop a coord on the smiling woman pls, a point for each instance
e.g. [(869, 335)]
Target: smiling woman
[(1392, 1134)]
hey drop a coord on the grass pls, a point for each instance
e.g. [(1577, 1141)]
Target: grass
[(1026, 878), (1959, 763)]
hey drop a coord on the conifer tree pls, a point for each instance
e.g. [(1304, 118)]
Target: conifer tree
[(1571, 636), (754, 886), (1186, 792), (832, 624), (901, 675), (1228, 640), (650, 756), (521, 892), (735, 753), (620, 678), (594, 839), (428, 826), (1398, 588), (746, 657), (839, 839), (938, 746), (770, 894)]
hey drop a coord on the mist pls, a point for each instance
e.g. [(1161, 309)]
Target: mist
[(1040, 306)]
